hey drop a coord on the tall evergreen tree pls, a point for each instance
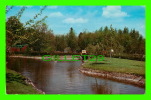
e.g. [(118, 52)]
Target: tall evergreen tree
[(72, 40)]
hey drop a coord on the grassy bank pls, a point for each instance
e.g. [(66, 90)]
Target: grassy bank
[(118, 65), (16, 84)]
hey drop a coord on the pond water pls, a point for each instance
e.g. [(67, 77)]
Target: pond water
[(64, 78)]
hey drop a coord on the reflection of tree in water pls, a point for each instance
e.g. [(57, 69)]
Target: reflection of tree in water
[(38, 71), (41, 73), (71, 70), (102, 88), (14, 62)]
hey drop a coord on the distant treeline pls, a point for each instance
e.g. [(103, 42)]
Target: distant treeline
[(126, 43)]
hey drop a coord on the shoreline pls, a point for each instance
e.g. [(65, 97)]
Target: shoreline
[(32, 57), (40, 57), (28, 82), (120, 77)]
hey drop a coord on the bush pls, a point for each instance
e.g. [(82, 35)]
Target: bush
[(138, 57)]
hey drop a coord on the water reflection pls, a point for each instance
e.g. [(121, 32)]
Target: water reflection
[(64, 78), (103, 88)]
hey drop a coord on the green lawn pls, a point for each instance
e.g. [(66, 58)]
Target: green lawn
[(15, 84), (118, 65)]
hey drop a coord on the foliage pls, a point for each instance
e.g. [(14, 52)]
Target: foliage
[(72, 40), (60, 42), (41, 39)]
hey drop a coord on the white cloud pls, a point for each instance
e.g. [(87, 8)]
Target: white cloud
[(52, 7), (56, 14), (75, 20), (113, 12)]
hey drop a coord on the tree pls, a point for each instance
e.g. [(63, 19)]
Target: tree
[(41, 39), (72, 40), (126, 30), (17, 32), (60, 41), (14, 31)]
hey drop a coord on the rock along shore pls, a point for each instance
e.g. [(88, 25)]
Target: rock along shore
[(121, 77), (28, 81)]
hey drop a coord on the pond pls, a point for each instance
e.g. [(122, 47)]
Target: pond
[(54, 77)]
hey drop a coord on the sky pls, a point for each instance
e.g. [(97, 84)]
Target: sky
[(86, 18)]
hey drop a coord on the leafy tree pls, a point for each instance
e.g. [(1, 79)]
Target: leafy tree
[(14, 31), (17, 32), (39, 38), (61, 43)]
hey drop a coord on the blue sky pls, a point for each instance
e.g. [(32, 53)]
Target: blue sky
[(89, 18)]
